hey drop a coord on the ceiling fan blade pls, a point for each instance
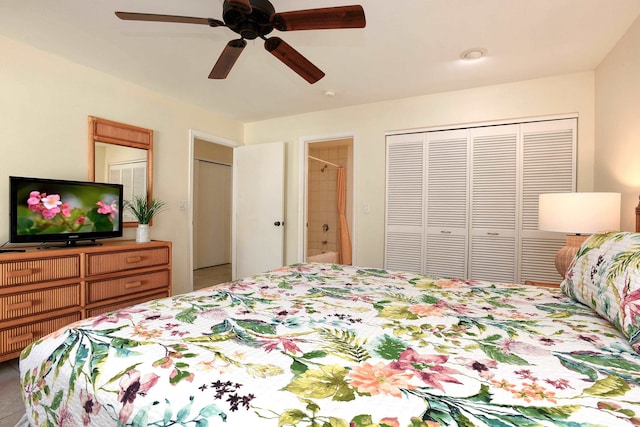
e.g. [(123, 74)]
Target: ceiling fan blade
[(242, 5), (227, 59), (293, 59), (132, 16), (320, 19)]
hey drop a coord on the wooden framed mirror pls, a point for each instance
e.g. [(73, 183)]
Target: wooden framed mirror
[(123, 154)]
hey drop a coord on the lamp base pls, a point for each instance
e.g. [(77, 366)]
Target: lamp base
[(566, 254)]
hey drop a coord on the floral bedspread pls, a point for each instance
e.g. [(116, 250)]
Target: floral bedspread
[(338, 346)]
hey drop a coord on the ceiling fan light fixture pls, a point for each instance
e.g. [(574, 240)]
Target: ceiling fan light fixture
[(473, 54)]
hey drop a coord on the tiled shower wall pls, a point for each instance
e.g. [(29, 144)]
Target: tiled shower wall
[(322, 203)]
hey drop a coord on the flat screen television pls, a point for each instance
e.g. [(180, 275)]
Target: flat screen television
[(53, 210)]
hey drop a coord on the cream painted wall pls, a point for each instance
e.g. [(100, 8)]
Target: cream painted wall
[(565, 94), (45, 101), (617, 104), (44, 104)]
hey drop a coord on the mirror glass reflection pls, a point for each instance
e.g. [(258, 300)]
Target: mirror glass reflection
[(122, 165)]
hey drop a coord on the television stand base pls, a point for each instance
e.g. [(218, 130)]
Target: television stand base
[(70, 244)]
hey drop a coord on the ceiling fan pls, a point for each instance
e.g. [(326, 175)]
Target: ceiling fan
[(257, 18)]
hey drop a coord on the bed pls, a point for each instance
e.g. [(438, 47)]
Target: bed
[(321, 344)]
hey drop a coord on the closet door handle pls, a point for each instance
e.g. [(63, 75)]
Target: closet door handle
[(278, 223)]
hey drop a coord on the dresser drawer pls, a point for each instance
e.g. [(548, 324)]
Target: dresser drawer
[(39, 270), (101, 263), (113, 288), (29, 303), (17, 338), (112, 307)]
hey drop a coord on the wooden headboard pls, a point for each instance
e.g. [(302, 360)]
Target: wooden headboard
[(638, 216)]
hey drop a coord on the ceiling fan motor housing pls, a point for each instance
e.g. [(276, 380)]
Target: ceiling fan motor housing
[(249, 25)]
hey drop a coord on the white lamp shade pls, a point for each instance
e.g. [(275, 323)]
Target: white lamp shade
[(579, 213)]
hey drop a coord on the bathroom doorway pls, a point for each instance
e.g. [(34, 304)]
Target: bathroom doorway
[(329, 201)]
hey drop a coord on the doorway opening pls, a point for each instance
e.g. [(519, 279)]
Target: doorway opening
[(329, 201), (212, 211)]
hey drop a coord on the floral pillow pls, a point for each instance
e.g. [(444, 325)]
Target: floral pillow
[(605, 275)]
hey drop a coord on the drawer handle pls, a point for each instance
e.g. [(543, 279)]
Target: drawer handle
[(132, 285), (445, 232), (20, 273), (20, 338), (133, 259), (493, 234), (20, 305)]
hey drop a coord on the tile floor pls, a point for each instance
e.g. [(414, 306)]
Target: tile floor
[(11, 406), (209, 276)]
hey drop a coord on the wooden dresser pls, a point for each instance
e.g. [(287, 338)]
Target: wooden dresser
[(43, 290)]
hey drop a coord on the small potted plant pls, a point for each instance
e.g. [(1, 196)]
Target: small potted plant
[(144, 212)]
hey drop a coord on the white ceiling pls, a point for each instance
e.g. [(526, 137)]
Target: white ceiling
[(408, 48)]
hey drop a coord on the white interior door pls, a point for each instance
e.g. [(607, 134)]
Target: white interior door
[(259, 208), (213, 214)]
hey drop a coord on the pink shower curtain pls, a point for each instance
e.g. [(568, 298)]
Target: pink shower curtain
[(344, 241)]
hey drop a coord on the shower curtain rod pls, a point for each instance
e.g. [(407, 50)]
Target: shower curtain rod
[(324, 161)]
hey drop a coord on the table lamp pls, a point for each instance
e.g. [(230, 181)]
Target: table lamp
[(577, 215)]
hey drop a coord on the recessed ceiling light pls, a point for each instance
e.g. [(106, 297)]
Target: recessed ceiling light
[(330, 93), (473, 54)]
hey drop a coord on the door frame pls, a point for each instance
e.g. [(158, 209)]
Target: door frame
[(303, 152), (193, 134)]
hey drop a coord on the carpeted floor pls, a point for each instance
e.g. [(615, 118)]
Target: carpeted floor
[(11, 406)]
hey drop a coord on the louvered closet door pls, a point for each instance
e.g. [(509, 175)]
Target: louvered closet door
[(446, 203), (494, 203), (404, 203), (548, 167)]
